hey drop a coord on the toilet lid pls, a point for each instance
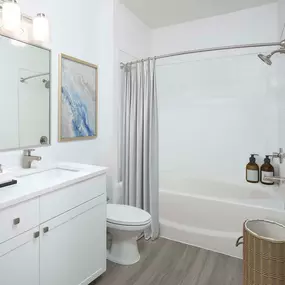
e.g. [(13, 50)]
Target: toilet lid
[(127, 215)]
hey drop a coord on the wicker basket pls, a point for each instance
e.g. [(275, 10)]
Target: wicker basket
[(263, 253)]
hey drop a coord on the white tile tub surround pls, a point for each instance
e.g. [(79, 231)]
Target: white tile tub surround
[(213, 112), (211, 214)]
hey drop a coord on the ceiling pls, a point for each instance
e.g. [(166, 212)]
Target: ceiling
[(160, 13)]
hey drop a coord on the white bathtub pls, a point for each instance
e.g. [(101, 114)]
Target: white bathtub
[(210, 214)]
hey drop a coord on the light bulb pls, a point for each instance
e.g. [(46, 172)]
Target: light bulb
[(11, 16), (41, 28)]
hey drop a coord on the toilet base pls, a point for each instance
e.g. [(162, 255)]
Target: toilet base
[(124, 248)]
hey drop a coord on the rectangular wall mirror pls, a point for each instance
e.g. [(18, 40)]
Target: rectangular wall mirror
[(24, 95)]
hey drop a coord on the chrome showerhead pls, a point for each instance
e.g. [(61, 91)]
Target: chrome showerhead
[(265, 58)]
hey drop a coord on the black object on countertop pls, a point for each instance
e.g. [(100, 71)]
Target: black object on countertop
[(13, 182)]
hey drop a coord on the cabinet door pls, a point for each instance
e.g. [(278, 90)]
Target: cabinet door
[(19, 259), (73, 245)]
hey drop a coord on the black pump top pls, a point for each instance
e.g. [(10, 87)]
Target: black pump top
[(267, 159), (252, 159)]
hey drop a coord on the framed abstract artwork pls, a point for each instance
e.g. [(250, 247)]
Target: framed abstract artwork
[(78, 99)]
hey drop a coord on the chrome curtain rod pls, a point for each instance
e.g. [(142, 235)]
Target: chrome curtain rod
[(207, 50), (33, 76)]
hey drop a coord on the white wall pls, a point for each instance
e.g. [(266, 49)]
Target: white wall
[(85, 31), (281, 18), (247, 26), (132, 35), (215, 107)]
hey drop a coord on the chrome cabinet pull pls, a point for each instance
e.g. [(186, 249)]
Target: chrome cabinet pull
[(16, 221), (45, 230), (36, 234)]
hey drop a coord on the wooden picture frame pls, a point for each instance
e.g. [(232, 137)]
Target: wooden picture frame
[(78, 99)]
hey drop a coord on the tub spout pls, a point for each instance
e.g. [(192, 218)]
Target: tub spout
[(276, 179)]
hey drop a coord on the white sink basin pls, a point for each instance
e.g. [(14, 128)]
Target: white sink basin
[(46, 176), (52, 173)]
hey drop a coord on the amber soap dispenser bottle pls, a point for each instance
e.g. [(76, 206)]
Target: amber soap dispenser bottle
[(252, 170), (266, 170)]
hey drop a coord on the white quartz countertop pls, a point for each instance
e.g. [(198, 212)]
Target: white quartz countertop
[(41, 180)]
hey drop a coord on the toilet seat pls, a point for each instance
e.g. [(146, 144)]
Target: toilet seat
[(129, 216)]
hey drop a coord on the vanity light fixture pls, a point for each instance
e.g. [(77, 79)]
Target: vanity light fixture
[(41, 28), (11, 16), (12, 21)]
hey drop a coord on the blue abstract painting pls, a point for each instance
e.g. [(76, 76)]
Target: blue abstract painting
[(78, 110)]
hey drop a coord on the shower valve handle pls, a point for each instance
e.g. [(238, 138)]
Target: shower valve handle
[(280, 155)]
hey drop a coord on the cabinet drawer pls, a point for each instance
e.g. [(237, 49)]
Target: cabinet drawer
[(18, 219), (63, 200)]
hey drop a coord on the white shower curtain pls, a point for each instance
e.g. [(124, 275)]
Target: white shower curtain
[(139, 140)]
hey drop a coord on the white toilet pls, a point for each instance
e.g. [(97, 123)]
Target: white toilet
[(125, 224)]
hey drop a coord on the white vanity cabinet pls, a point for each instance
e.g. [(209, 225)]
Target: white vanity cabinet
[(57, 238)]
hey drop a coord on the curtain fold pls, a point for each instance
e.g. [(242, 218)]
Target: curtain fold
[(139, 140)]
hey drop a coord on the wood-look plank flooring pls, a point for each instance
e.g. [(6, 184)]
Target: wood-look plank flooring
[(165, 262)]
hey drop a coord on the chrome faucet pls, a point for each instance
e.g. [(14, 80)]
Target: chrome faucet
[(28, 158), (280, 155)]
